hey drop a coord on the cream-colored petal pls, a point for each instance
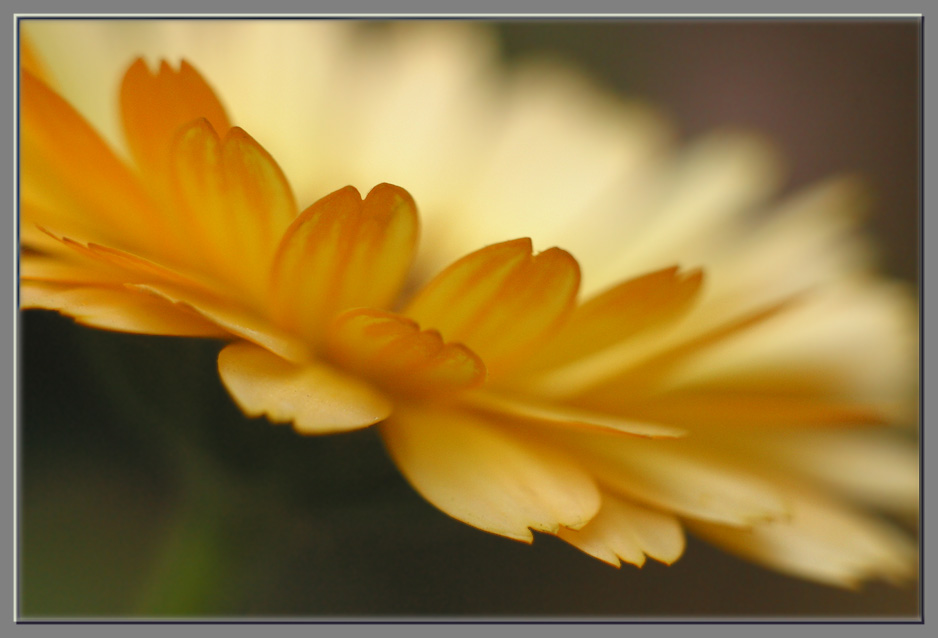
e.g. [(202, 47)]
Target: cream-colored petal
[(314, 397), (343, 252), (822, 540), (635, 368), (691, 210), (623, 531), (501, 301), (675, 476), (819, 336), (117, 308), (487, 473), (874, 466), (392, 351)]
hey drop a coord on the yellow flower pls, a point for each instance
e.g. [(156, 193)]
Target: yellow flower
[(744, 405)]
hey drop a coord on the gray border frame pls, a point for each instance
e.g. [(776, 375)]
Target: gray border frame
[(596, 9)]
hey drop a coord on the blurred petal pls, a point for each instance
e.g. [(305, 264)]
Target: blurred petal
[(625, 532), (822, 540), (316, 398), (501, 301), (489, 474), (30, 61), (872, 466), (154, 106), (673, 477), (68, 173)]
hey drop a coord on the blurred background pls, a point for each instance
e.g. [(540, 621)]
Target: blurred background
[(326, 526)]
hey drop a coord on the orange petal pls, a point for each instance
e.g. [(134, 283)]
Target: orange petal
[(489, 476), (625, 532), (501, 301), (316, 398), (722, 407), (394, 352), (117, 308), (343, 252), (649, 301), (232, 206), (68, 173), (154, 106)]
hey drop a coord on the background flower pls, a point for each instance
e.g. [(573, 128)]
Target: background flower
[(742, 163)]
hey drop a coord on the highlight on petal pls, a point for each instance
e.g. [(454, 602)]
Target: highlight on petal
[(342, 253), (501, 301), (393, 352), (822, 540), (316, 398), (155, 105), (623, 531), (489, 474)]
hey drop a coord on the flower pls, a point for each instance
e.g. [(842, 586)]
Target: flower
[(717, 402)]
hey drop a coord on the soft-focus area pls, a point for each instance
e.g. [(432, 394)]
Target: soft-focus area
[(326, 526)]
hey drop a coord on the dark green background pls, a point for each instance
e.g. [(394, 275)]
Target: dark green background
[(113, 427)]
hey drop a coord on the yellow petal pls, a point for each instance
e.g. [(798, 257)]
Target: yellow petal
[(154, 106), (117, 308), (623, 531), (234, 317), (543, 413), (316, 398), (69, 175), (615, 376), (394, 352), (341, 253), (501, 301), (483, 473), (233, 204), (650, 301), (822, 540)]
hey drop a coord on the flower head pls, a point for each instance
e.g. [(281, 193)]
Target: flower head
[(605, 395)]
